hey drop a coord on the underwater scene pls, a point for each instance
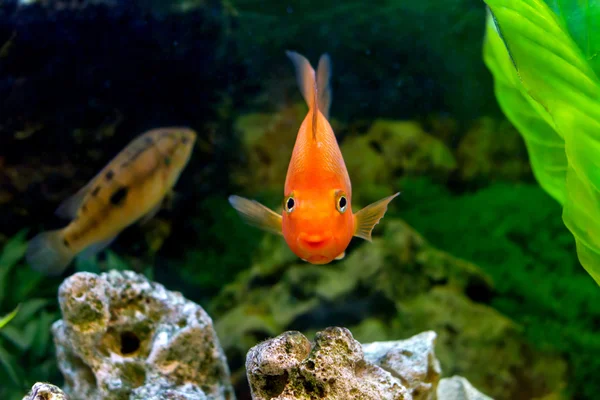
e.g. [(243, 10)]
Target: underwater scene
[(242, 199)]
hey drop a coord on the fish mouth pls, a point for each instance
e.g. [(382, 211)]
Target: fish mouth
[(313, 242)]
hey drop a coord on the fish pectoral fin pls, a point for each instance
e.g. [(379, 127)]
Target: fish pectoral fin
[(96, 248), (368, 217), (151, 214), (167, 202), (341, 256), (257, 215), (69, 207)]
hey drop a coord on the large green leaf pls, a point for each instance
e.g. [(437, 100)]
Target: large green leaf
[(546, 85)]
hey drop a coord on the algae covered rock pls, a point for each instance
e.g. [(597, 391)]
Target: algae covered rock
[(397, 286), (267, 141), (124, 337), (333, 367), (491, 150), (45, 391), (458, 388), (479, 342), (375, 155), (393, 149), (412, 359), (161, 389)]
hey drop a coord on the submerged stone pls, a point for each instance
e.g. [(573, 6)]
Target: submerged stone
[(412, 360), (45, 391), (458, 388), (333, 367), (124, 337)]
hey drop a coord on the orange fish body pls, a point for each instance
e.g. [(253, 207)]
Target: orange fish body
[(129, 188), (317, 221)]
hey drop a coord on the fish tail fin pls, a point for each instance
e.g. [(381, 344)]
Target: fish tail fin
[(315, 88), (48, 254), (305, 77), (323, 86)]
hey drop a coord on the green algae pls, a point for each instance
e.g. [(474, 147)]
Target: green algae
[(515, 234)]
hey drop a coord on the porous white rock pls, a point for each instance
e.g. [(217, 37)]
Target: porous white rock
[(458, 388), (333, 367), (412, 361), (45, 391), (124, 337)]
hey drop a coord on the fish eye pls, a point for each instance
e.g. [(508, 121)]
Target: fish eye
[(290, 204), (342, 204)]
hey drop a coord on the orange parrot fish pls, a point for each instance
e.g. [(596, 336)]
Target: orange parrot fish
[(317, 221), (130, 188)]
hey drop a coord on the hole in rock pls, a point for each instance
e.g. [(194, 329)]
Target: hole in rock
[(275, 384), (130, 343)]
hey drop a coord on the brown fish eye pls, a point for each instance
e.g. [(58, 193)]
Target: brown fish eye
[(342, 204), (289, 204)]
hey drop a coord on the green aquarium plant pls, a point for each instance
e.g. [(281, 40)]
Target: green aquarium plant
[(7, 318), (29, 299), (544, 59)]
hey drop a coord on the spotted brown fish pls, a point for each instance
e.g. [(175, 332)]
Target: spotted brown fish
[(130, 188)]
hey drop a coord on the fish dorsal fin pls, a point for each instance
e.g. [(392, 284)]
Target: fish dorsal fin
[(306, 79), (324, 88), (69, 207)]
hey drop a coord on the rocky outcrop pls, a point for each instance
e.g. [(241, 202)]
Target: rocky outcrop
[(45, 391), (267, 140), (336, 366), (395, 287), (412, 361), (492, 150), (381, 153), (458, 388), (390, 150), (124, 337), (333, 367)]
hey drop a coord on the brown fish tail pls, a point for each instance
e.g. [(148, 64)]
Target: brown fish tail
[(49, 253)]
